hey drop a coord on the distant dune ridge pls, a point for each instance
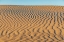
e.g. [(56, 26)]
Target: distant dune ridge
[(31, 23)]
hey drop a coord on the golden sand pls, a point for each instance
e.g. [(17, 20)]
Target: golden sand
[(31, 24)]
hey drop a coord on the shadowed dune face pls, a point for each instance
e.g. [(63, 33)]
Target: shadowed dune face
[(31, 24)]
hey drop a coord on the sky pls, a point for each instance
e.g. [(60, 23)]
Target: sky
[(32, 2)]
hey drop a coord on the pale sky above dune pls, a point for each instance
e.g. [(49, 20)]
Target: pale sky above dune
[(32, 2)]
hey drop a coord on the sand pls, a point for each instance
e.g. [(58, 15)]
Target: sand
[(31, 23)]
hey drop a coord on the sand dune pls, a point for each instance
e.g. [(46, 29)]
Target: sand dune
[(31, 24)]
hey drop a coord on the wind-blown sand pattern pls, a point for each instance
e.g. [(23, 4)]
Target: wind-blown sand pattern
[(31, 24)]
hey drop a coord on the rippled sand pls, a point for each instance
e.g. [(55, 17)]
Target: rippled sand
[(31, 24)]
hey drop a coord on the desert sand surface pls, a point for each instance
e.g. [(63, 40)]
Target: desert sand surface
[(31, 23)]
